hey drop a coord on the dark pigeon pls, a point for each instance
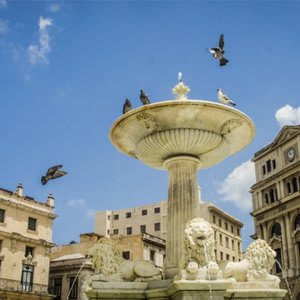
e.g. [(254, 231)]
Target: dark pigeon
[(144, 98), (53, 173), (127, 106), (217, 53)]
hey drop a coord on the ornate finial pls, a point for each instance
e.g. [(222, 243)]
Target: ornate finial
[(180, 90)]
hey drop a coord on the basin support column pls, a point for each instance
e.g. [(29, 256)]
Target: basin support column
[(183, 206)]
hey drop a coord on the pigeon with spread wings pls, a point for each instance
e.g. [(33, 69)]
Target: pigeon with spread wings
[(217, 53), (53, 173)]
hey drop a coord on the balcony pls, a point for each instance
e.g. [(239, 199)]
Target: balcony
[(17, 286)]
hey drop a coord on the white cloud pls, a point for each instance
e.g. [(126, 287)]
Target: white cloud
[(3, 26), (236, 186), (54, 7), (288, 115), (3, 3), (38, 53), (76, 203)]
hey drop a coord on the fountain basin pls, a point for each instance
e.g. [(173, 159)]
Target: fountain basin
[(202, 129)]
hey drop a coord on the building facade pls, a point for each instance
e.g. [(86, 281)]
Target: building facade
[(152, 219), (25, 243), (70, 267), (276, 203)]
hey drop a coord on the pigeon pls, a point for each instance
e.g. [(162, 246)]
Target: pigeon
[(224, 99), (217, 53), (144, 98), (179, 77), (53, 173), (127, 106)]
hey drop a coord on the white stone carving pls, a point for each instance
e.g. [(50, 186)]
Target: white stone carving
[(110, 266), (199, 251), (255, 265), (180, 90)]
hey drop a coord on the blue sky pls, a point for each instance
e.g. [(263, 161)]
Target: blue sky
[(66, 68)]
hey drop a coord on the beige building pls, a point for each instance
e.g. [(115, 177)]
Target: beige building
[(70, 267), (25, 243), (276, 202), (152, 219)]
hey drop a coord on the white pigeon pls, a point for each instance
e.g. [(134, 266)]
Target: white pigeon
[(224, 99)]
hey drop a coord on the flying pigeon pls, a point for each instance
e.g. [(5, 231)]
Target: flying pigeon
[(224, 99), (52, 173), (217, 53), (127, 106), (144, 98)]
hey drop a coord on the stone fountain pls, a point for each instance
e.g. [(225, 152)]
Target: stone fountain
[(183, 136)]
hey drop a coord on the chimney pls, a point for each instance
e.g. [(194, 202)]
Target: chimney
[(50, 200), (19, 190)]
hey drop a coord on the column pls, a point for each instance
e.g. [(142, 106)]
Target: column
[(290, 248), (284, 245), (183, 206), (265, 232)]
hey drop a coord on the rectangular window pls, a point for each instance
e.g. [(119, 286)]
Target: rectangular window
[(73, 288), (226, 225), (116, 231), (143, 228), (126, 255), (32, 224), (2, 215), (221, 255), (57, 285), (108, 217), (129, 230), (128, 215), (152, 255), (157, 226), (214, 219), (269, 165), (116, 217), (227, 257), (227, 242), (264, 169), (29, 251), (232, 245), (233, 258), (238, 231), (156, 210), (27, 278), (231, 229), (107, 231), (274, 164), (220, 222), (144, 212), (220, 239)]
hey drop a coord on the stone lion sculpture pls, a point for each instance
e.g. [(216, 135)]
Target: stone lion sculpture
[(255, 265), (199, 254), (109, 265)]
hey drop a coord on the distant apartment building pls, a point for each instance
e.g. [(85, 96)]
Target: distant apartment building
[(70, 267), (152, 219), (276, 203), (25, 243)]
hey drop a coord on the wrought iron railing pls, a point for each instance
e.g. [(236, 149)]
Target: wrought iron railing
[(15, 285)]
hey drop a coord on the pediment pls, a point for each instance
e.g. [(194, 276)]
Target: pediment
[(285, 134)]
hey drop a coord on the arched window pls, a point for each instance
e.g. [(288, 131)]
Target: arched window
[(297, 222), (272, 196), (276, 230)]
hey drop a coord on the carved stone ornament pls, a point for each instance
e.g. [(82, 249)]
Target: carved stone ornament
[(110, 266), (230, 125), (256, 264), (148, 120), (180, 91), (29, 260)]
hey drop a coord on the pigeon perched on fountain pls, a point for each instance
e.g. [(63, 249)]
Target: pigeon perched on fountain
[(144, 98), (217, 53), (53, 173), (127, 106), (224, 99)]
